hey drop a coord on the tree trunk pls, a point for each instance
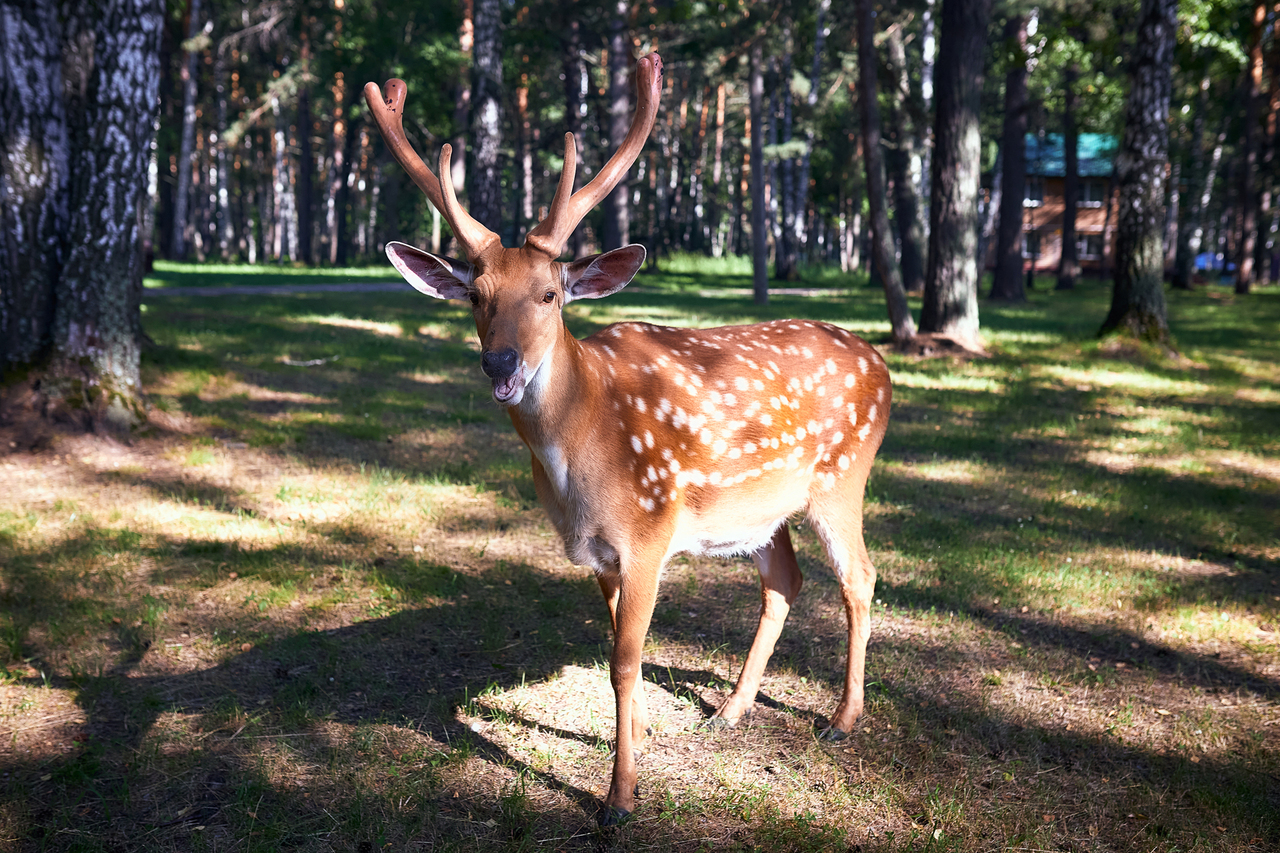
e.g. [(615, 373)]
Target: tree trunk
[(1007, 282), (1249, 158), (815, 82), (1069, 265), (1190, 221), (333, 211), (906, 208), (575, 94), (951, 281), (182, 193), (617, 205), (904, 327), (34, 179), (110, 75), (226, 229), (989, 220), (462, 100), (784, 268), (1137, 302), (759, 243), (486, 116), (306, 166)]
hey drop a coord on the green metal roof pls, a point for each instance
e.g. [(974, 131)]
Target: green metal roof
[(1045, 155)]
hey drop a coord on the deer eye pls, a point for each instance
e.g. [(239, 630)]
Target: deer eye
[(474, 297), (549, 297)]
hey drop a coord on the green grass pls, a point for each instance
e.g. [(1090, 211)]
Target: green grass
[(319, 607)]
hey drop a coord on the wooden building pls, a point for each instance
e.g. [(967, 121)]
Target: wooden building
[(1043, 203)]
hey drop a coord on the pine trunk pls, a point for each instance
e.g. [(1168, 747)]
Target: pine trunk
[(617, 206), (951, 281), (1189, 222), (906, 207), (485, 192), (111, 54), (1007, 282), (1069, 265), (1249, 158), (759, 243), (904, 328), (182, 193), (34, 179), (1137, 303)]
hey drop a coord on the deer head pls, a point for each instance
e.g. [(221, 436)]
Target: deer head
[(516, 294)]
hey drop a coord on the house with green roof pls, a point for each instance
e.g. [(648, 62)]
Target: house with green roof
[(1043, 204)]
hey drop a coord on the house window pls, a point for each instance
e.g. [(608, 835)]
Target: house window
[(1035, 192), (1089, 246), (1030, 244), (1092, 193)]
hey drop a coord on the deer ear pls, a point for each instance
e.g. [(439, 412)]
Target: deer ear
[(600, 275), (434, 275)]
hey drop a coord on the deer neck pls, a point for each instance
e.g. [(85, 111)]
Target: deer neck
[(555, 411)]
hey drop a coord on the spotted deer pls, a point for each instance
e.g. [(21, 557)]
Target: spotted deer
[(650, 441)]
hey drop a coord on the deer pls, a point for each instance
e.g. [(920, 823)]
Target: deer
[(648, 441)]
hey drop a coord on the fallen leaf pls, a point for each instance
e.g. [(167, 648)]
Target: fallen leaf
[(1162, 712), (244, 647)]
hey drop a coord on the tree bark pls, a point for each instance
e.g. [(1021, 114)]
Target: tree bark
[(904, 327), (1007, 282), (462, 100), (1137, 302), (616, 231), (485, 190), (906, 207), (784, 268), (34, 179), (1249, 158), (951, 281), (182, 193), (575, 93), (1069, 264), (759, 243), (1189, 222), (111, 63)]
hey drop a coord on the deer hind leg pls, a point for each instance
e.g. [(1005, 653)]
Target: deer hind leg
[(631, 594), (837, 517), (780, 581)]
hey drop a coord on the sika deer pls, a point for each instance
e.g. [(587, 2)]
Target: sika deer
[(650, 441)]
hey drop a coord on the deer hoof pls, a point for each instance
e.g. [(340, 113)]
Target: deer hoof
[(832, 735), (613, 816)]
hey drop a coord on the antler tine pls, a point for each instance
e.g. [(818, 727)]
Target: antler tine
[(388, 113), (568, 208)]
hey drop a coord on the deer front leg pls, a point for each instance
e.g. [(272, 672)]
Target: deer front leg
[(610, 585), (637, 592), (780, 581)]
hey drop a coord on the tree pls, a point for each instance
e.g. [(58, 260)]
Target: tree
[(1137, 301), (1069, 264), (1006, 283), (904, 327), (759, 244), (951, 280), (617, 206), (906, 213), (485, 191), (79, 98)]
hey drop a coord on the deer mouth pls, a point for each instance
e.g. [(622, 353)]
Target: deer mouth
[(508, 390)]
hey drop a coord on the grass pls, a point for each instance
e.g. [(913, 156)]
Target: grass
[(318, 607)]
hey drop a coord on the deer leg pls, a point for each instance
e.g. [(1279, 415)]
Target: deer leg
[(841, 533), (780, 581), (610, 585), (637, 592)]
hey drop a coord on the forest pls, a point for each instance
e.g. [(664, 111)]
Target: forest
[(264, 151)]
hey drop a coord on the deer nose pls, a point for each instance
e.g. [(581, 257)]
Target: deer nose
[(498, 364)]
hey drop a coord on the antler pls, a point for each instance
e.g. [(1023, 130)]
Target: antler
[(568, 208), (388, 112)]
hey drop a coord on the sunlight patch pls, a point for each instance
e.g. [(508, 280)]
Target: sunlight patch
[(392, 330), (948, 382), (1126, 380)]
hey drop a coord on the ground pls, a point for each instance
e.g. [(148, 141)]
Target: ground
[(316, 606)]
